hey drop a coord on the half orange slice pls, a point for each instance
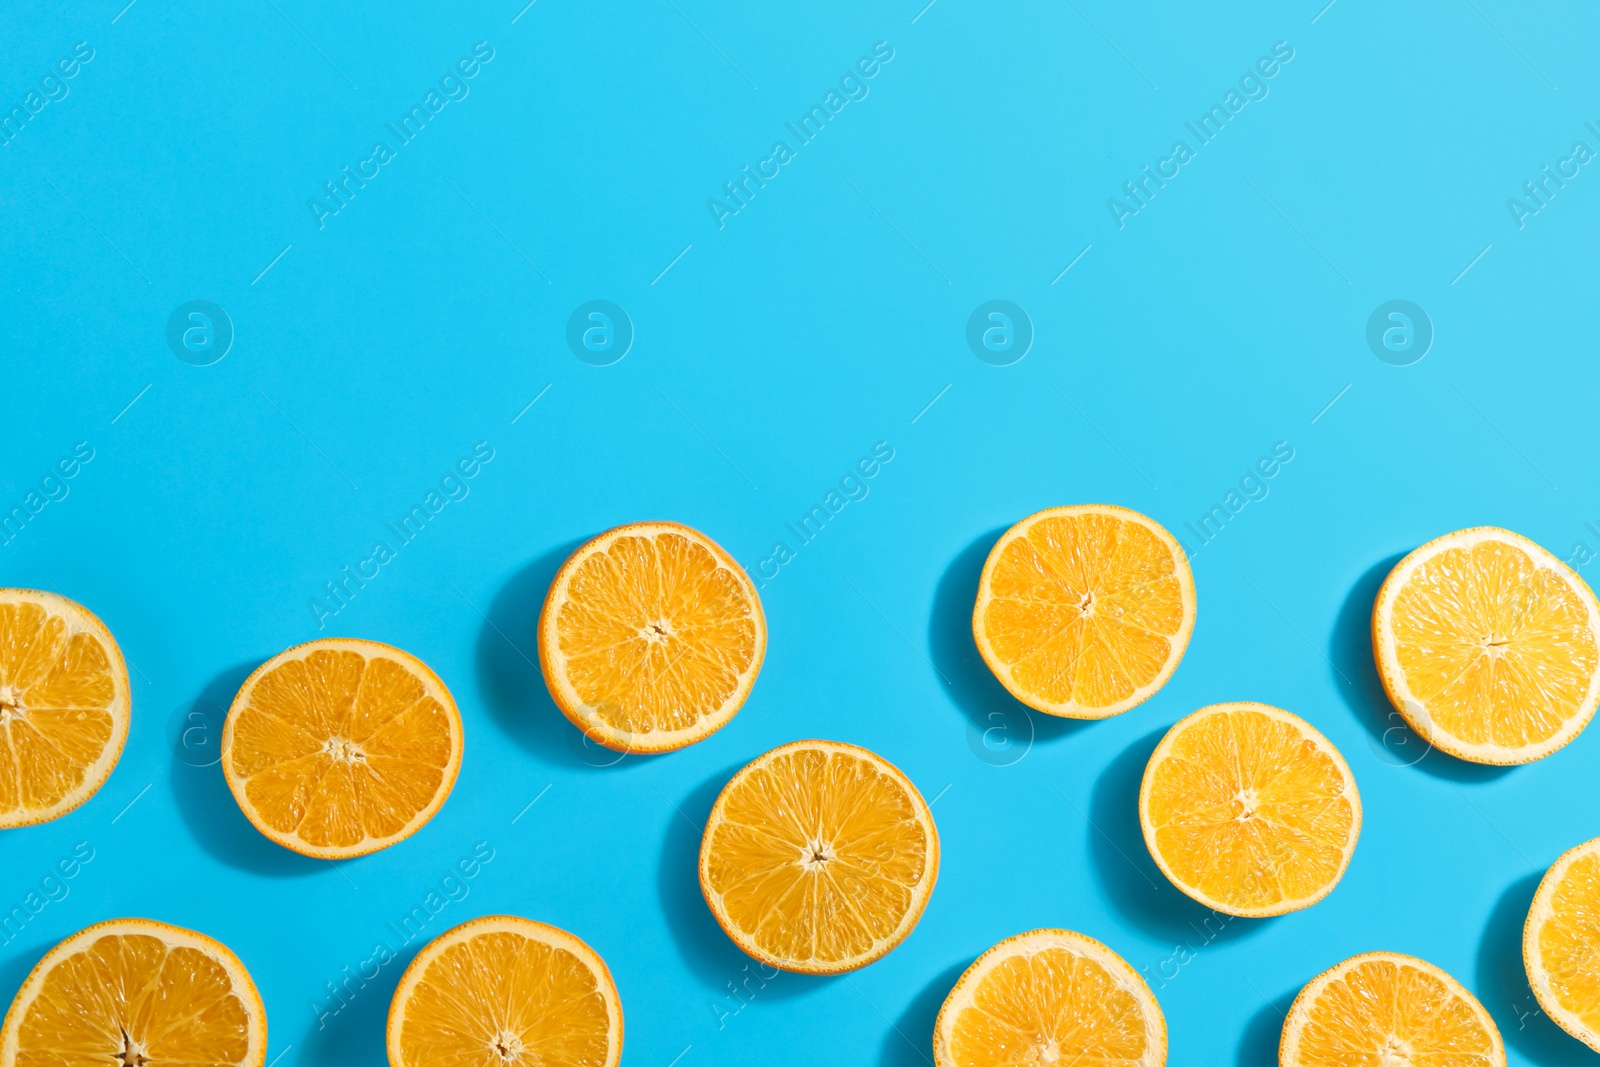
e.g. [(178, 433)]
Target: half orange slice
[(651, 637), (64, 703), (341, 747), (1249, 810), (503, 991), (1084, 611), (819, 857), (1561, 943), (133, 991), (1386, 1008), (1489, 646), (1050, 997)]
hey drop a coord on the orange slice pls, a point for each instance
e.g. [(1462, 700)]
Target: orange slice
[(1249, 810), (341, 747), (651, 637), (64, 703), (131, 992), (818, 857), (1560, 942), (1084, 611), (1384, 1008), (1489, 646), (1050, 997), (501, 991)]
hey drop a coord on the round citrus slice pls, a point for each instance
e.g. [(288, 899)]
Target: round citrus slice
[(1385, 1008), (1559, 943), (1249, 810), (1050, 997), (64, 703), (1489, 646), (130, 992), (502, 991), (818, 857), (651, 637), (1084, 611), (340, 747)]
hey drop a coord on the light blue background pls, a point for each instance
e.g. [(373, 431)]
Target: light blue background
[(773, 354)]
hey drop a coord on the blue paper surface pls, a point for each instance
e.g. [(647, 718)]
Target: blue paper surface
[(566, 235)]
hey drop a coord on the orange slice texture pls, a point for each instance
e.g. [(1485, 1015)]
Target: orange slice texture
[(651, 637), (503, 991), (1084, 611), (1050, 997), (64, 703), (1561, 943), (1249, 810), (819, 857), (341, 747), (1489, 646), (133, 991), (1385, 1008)]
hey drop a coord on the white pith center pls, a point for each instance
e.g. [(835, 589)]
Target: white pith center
[(657, 632), (1247, 801), (10, 705), (343, 750), (816, 854), (507, 1046), (1394, 1053)]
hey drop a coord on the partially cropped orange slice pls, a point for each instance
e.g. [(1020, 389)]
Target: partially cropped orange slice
[(1385, 1008), (1050, 997), (63, 706), (1489, 646), (1249, 810), (502, 991), (818, 857), (1084, 611), (651, 637), (1561, 943), (340, 747), (132, 992)]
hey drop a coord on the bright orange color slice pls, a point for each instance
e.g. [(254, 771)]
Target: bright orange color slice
[(1084, 611), (1050, 997), (64, 704), (1489, 646), (502, 991), (818, 857), (651, 637), (1383, 1008), (1249, 810), (341, 747), (1561, 943), (133, 991)]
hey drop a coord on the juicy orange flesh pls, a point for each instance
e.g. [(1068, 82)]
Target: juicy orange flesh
[(1250, 811), (133, 993), (818, 856), (1498, 650), (1084, 609), (502, 999), (656, 634), (1569, 941), (1053, 1007), (1382, 1012), (336, 748), (56, 693)]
